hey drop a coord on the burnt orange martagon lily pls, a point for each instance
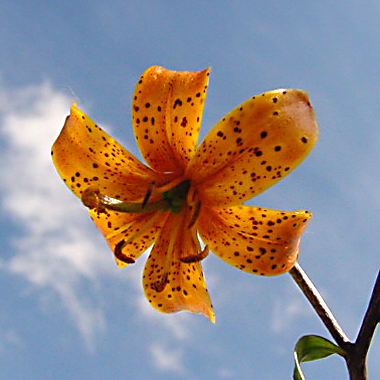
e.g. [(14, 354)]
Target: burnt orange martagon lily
[(187, 190)]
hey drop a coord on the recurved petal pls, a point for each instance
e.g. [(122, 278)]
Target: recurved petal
[(169, 284), (253, 239), (85, 155), (167, 113), (138, 231), (253, 147)]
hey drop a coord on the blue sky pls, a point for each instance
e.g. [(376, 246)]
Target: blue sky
[(66, 310)]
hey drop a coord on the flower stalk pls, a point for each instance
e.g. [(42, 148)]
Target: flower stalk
[(319, 305), (355, 353)]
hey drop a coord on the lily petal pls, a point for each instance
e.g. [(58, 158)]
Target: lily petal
[(253, 239), (85, 155), (138, 231), (167, 113), (253, 147), (184, 284)]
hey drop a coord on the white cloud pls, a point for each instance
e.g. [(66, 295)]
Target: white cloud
[(167, 360), (54, 248), (178, 326), (287, 311), (10, 339), (225, 373)]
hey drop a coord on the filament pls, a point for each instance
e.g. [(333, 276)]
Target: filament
[(160, 285)]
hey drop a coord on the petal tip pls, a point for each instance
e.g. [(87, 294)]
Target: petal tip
[(73, 107)]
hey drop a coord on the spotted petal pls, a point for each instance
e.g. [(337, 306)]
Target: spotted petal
[(85, 155), (253, 147), (185, 287), (167, 114), (138, 231), (253, 239)]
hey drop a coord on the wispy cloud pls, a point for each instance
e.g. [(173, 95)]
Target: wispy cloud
[(288, 311), (179, 327), (225, 373), (10, 339), (53, 248), (165, 359)]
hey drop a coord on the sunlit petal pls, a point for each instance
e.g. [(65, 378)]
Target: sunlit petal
[(139, 231), (167, 115), (253, 147), (85, 155), (184, 283), (187, 192), (254, 239)]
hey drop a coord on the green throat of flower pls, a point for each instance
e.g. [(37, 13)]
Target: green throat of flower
[(173, 200)]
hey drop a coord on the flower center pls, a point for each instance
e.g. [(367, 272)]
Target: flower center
[(177, 196), (174, 197)]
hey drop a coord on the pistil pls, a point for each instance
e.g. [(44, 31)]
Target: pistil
[(94, 199)]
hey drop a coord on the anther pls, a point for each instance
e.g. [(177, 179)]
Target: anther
[(120, 255), (197, 257), (159, 286), (148, 194)]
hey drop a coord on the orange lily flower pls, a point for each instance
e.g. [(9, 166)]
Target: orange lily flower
[(189, 191)]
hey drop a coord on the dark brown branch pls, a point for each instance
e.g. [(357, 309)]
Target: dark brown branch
[(357, 353), (319, 305), (371, 319)]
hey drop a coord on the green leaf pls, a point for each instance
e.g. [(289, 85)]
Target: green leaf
[(312, 347)]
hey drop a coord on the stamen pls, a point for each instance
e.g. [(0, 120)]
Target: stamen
[(197, 257), (146, 227), (191, 196), (170, 185), (160, 285), (120, 255), (148, 194), (196, 246), (195, 240), (194, 217), (123, 243)]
